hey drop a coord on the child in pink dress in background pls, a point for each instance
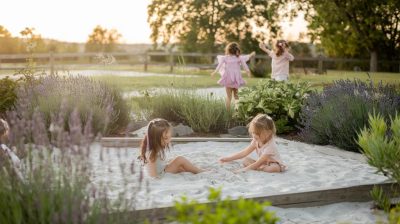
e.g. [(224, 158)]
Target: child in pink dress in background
[(280, 60), (263, 130), (229, 68)]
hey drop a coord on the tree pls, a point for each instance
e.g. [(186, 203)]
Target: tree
[(102, 40), (355, 27), (201, 25), (8, 44), (4, 32), (33, 41)]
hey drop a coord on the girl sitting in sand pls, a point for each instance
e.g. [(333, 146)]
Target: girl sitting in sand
[(154, 144), (229, 68), (262, 128), (280, 60)]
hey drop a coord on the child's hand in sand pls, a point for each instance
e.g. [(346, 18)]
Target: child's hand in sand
[(239, 171), (213, 74), (224, 160)]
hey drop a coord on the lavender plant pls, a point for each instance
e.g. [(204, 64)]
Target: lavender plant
[(105, 104), (335, 115), (57, 173)]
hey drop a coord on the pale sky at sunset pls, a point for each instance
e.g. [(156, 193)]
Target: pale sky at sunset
[(73, 20)]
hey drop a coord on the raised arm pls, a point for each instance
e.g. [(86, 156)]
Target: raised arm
[(244, 66), (238, 155), (247, 57), (221, 61), (264, 48)]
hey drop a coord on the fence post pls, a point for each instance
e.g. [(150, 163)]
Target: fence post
[(51, 59), (145, 61), (252, 61), (320, 65), (171, 62)]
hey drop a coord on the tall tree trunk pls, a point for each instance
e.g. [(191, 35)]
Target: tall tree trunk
[(373, 62)]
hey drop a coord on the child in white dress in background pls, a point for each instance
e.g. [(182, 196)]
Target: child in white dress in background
[(280, 60)]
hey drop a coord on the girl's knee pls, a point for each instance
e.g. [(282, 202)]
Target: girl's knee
[(180, 159), (272, 169)]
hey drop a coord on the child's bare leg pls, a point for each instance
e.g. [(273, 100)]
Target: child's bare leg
[(236, 97), (181, 164), (235, 94), (271, 168), (228, 98), (248, 161)]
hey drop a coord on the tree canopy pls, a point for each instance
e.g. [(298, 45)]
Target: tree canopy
[(201, 25), (358, 28)]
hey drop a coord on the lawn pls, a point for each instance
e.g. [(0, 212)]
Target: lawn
[(204, 80)]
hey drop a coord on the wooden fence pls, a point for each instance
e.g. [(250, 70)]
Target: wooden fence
[(53, 61)]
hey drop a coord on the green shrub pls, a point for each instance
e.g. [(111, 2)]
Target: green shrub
[(394, 215), (222, 211), (8, 94), (260, 69), (382, 200), (381, 145), (281, 100), (201, 113)]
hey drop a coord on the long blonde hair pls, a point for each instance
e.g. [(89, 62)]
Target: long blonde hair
[(262, 122), (152, 141)]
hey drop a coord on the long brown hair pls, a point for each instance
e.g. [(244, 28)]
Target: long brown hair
[(232, 49), (280, 46), (262, 122), (152, 141)]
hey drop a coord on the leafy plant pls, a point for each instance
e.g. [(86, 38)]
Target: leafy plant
[(381, 199), (222, 211), (394, 215), (381, 145), (8, 94), (281, 100), (335, 115)]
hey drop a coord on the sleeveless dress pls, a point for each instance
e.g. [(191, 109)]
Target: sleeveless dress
[(229, 68)]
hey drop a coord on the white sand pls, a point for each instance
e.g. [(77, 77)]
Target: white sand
[(308, 170)]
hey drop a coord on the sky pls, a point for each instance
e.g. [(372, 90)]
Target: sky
[(72, 20)]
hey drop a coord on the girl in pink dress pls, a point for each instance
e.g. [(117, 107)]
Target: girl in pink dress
[(229, 68), (263, 130)]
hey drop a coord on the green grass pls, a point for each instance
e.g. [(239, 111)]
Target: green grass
[(204, 80)]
